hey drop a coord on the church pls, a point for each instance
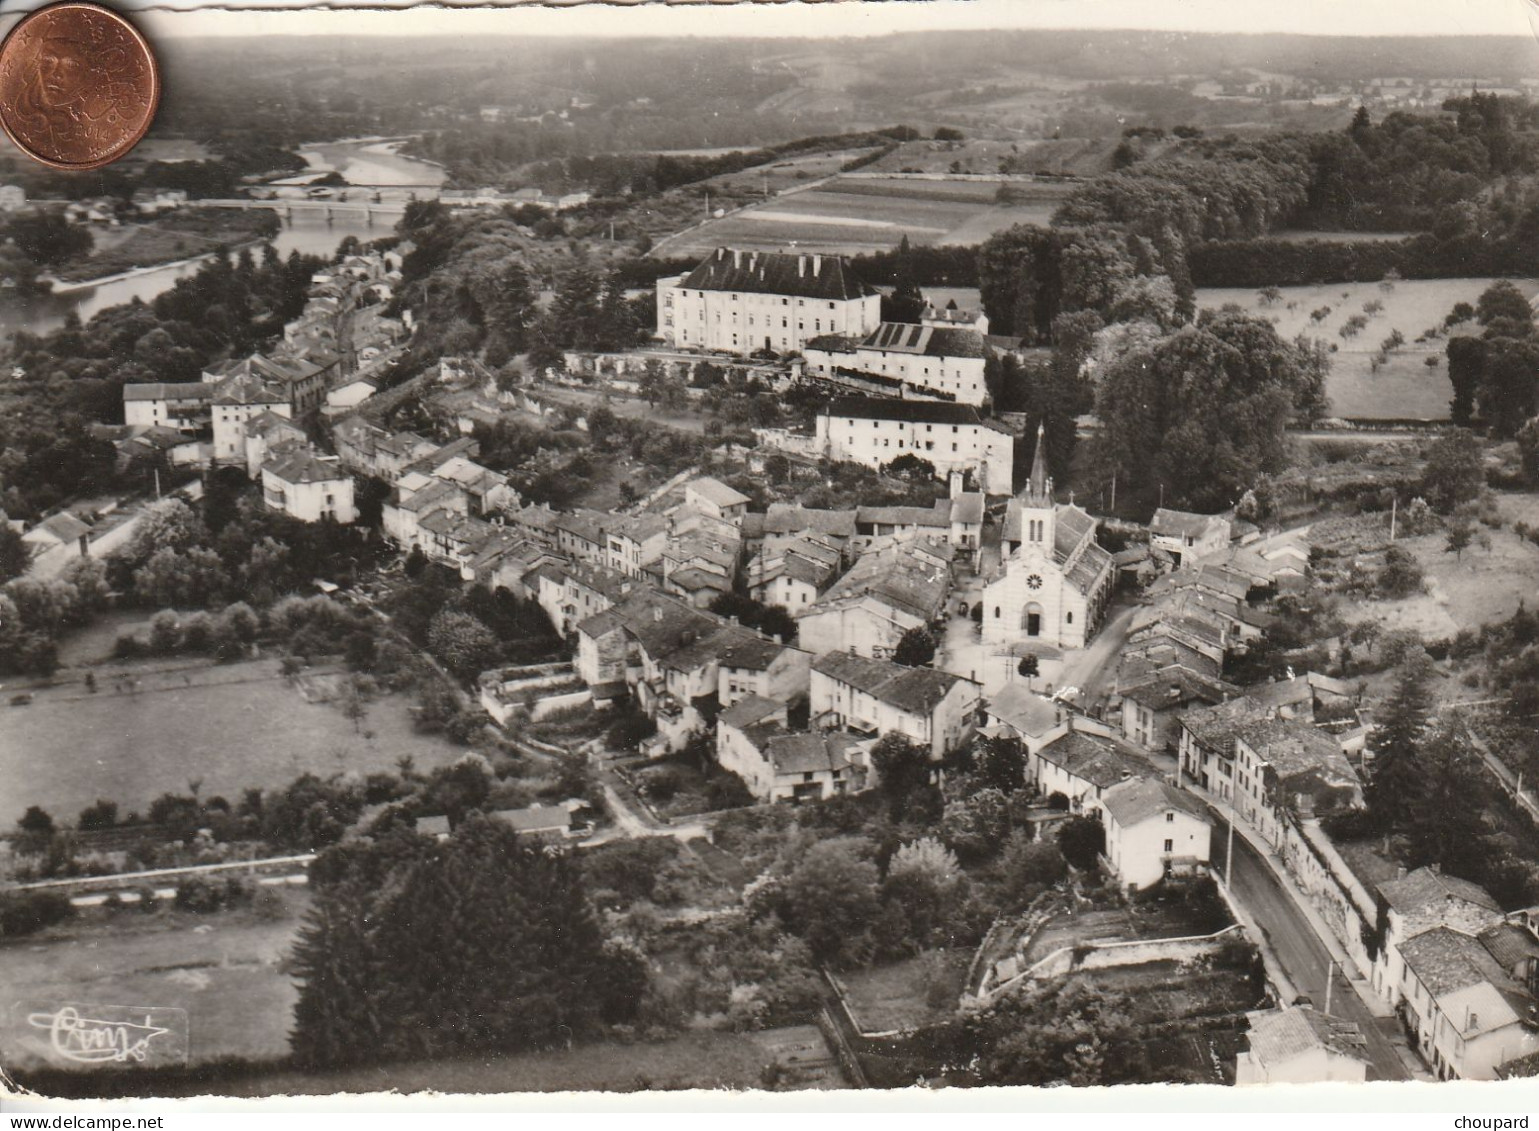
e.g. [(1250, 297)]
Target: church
[(1056, 579)]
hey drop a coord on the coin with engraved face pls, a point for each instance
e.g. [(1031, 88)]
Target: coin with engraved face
[(78, 85)]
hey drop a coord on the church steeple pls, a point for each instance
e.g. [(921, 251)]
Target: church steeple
[(1039, 488)]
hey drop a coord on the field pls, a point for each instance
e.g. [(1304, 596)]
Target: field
[(849, 215), (1473, 589), (232, 726), (899, 995), (1404, 389), (226, 970)]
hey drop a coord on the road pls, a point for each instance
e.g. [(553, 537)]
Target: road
[(1305, 958), (1094, 669)]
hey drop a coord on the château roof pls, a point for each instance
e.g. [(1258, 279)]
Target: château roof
[(777, 273)]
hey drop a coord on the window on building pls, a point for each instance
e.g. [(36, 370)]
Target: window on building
[(1170, 846), (1068, 618), (1170, 818)]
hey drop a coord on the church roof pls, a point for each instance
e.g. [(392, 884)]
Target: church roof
[(914, 412)]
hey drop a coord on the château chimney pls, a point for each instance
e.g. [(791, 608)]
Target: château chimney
[(817, 265)]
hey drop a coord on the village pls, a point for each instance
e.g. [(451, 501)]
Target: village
[(909, 607)]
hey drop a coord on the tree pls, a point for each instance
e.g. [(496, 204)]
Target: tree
[(102, 815), (831, 900), (1157, 401), (1401, 575), (36, 826), (925, 878), (1029, 668), (15, 555), (975, 826), (1028, 866), (1503, 300), (1455, 472), (1082, 840), (1395, 787), (463, 643), (1466, 372), (902, 771), (1460, 535), (1001, 762), (916, 648), (482, 943)]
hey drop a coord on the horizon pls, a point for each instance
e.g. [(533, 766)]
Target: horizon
[(832, 19)]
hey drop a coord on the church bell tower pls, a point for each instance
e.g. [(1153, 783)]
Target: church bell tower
[(1036, 499)]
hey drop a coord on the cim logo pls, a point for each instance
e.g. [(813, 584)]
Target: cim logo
[(70, 1034)]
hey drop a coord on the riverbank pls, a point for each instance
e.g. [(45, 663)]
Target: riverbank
[(175, 238)]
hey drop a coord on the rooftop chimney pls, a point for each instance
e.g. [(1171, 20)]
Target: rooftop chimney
[(737, 259), (801, 266), (817, 265)]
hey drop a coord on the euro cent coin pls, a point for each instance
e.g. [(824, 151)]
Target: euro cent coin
[(78, 85)]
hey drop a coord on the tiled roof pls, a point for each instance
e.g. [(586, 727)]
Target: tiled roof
[(1019, 707), (302, 466), (1446, 960), (747, 712), (1177, 686), (809, 753), (1185, 524), (759, 272), (788, 518), (536, 818), (967, 507), (916, 412), (1425, 888), (937, 517), (1101, 761), (918, 690), (169, 391), (1136, 801), (264, 423), (715, 491), (247, 389), (896, 576), (1278, 1037), (63, 526)]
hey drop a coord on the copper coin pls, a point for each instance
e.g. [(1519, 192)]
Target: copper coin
[(78, 85)]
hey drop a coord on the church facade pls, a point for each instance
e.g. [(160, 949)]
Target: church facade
[(1056, 580)]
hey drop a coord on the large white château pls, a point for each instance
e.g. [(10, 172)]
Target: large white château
[(1056, 580), (745, 301)]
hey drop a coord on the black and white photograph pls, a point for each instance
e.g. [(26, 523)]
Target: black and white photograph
[(770, 548)]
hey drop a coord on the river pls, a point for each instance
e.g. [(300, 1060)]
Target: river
[(309, 234)]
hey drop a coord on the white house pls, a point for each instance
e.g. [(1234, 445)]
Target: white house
[(1152, 830), (744, 301), (236, 401), (350, 394), (308, 487), (12, 198), (1083, 766), (874, 431), (934, 709), (928, 361), (266, 436), (715, 498), (183, 405), (887, 592), (1298, 1045)]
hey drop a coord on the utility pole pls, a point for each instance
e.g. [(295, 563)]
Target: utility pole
[(1330, 984), (1114, 492), (1229, 855), (1394, 505)]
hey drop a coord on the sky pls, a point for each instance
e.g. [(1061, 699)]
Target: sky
[(831, 18)]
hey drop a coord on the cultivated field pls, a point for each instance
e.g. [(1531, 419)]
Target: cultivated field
[(232, 726), (849, 215), (1404, 389)]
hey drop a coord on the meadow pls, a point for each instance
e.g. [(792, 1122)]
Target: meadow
[(232, 726), (1406, 388)]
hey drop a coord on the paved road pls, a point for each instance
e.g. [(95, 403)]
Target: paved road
[(1094, 669), (1305, 958)]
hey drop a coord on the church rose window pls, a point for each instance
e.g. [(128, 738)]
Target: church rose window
[(1034, 582)]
